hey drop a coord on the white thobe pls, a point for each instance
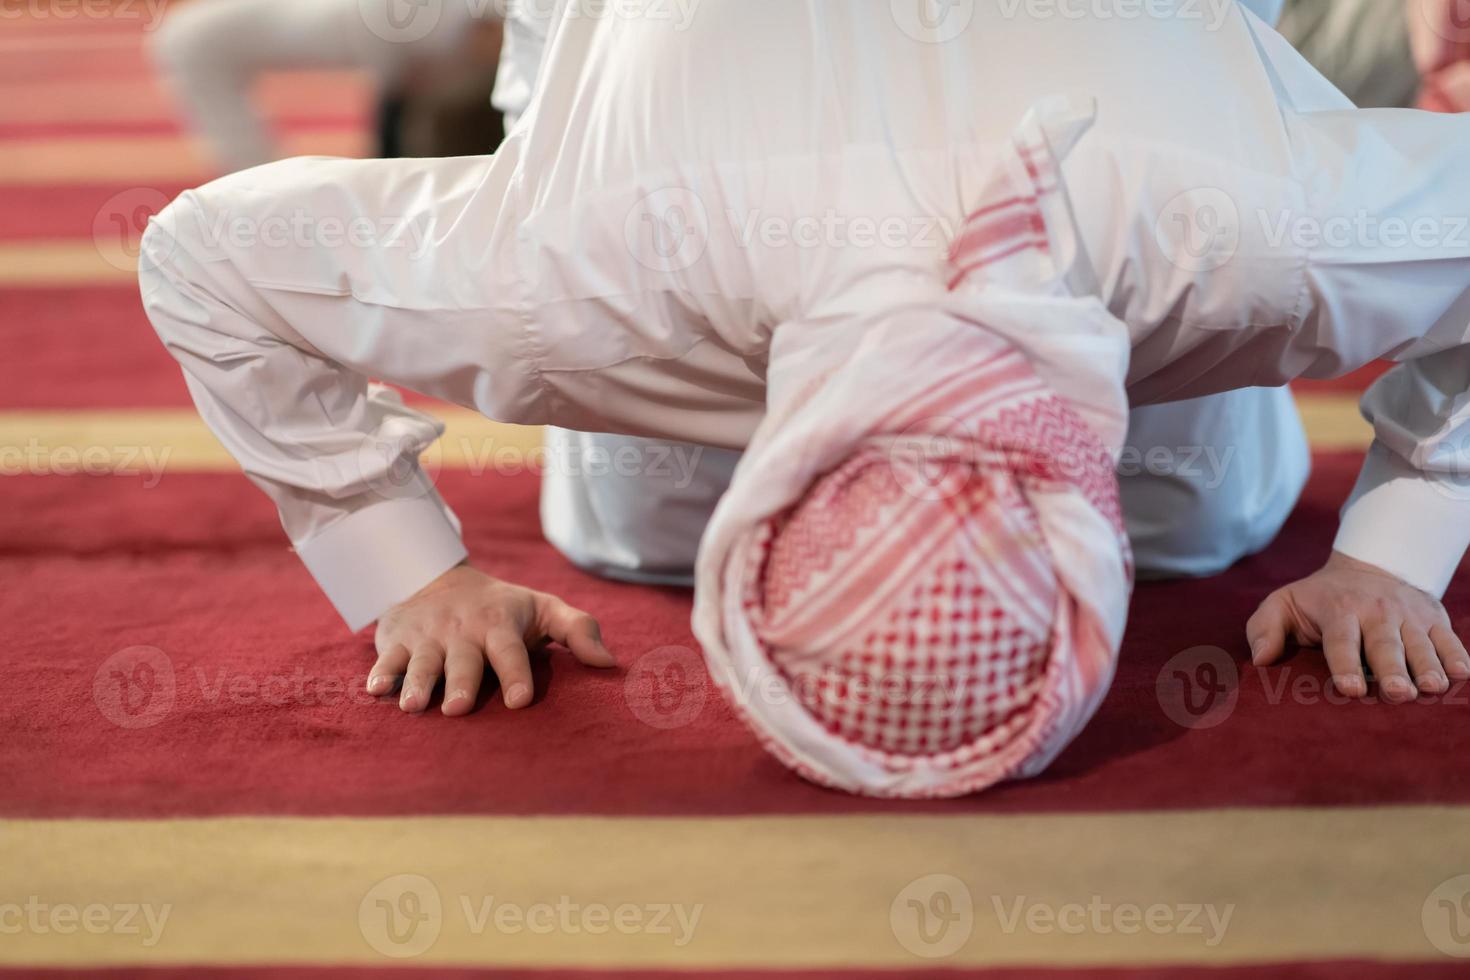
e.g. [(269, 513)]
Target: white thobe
[(1204, 482), (690, 203)]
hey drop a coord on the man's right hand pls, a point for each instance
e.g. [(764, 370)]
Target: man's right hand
[(465, 619)]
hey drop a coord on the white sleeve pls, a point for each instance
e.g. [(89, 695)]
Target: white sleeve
[(1410, 511), (338, 455)]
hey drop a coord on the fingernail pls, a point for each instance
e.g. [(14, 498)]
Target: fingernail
[(378, 685), (1398, 687), (459, 694), (405, 697), (1433, 682), (1258, 650), (1349, 684), (517, 695)]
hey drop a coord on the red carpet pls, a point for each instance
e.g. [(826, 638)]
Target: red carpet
[(198, 569)]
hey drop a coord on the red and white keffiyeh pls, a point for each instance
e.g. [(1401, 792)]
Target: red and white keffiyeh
[(917, 583)]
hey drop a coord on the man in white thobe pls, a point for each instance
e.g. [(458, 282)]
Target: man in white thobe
[(695, 206)]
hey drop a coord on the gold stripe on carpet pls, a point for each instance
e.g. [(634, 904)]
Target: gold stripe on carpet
[(1210, 887), (142, 159), (175, 440), (68, 262)]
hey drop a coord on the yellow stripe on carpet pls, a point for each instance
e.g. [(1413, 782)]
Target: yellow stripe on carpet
[(1207, 888), (176, 440), (67, 262), (143, 159)]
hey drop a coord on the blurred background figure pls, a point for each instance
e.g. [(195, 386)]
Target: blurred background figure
[(433, 65), (1362, 46), (1439, 35)]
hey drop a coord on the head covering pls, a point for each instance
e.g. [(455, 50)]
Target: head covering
[(917, 583)]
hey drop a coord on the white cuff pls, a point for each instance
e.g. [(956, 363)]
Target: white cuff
[(374, 558), (1409, 523)]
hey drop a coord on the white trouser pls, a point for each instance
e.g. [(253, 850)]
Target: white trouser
[(1205, 483)]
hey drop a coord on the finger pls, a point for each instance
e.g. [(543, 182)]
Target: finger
[(506, 651), (1342, 644), (1385, 650), (575, 630), (424, 670), (1423, 661), (464, 667), (1452, 652), (388, 671), (1266, 631)]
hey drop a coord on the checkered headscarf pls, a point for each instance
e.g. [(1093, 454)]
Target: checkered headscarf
[(917, 582)]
